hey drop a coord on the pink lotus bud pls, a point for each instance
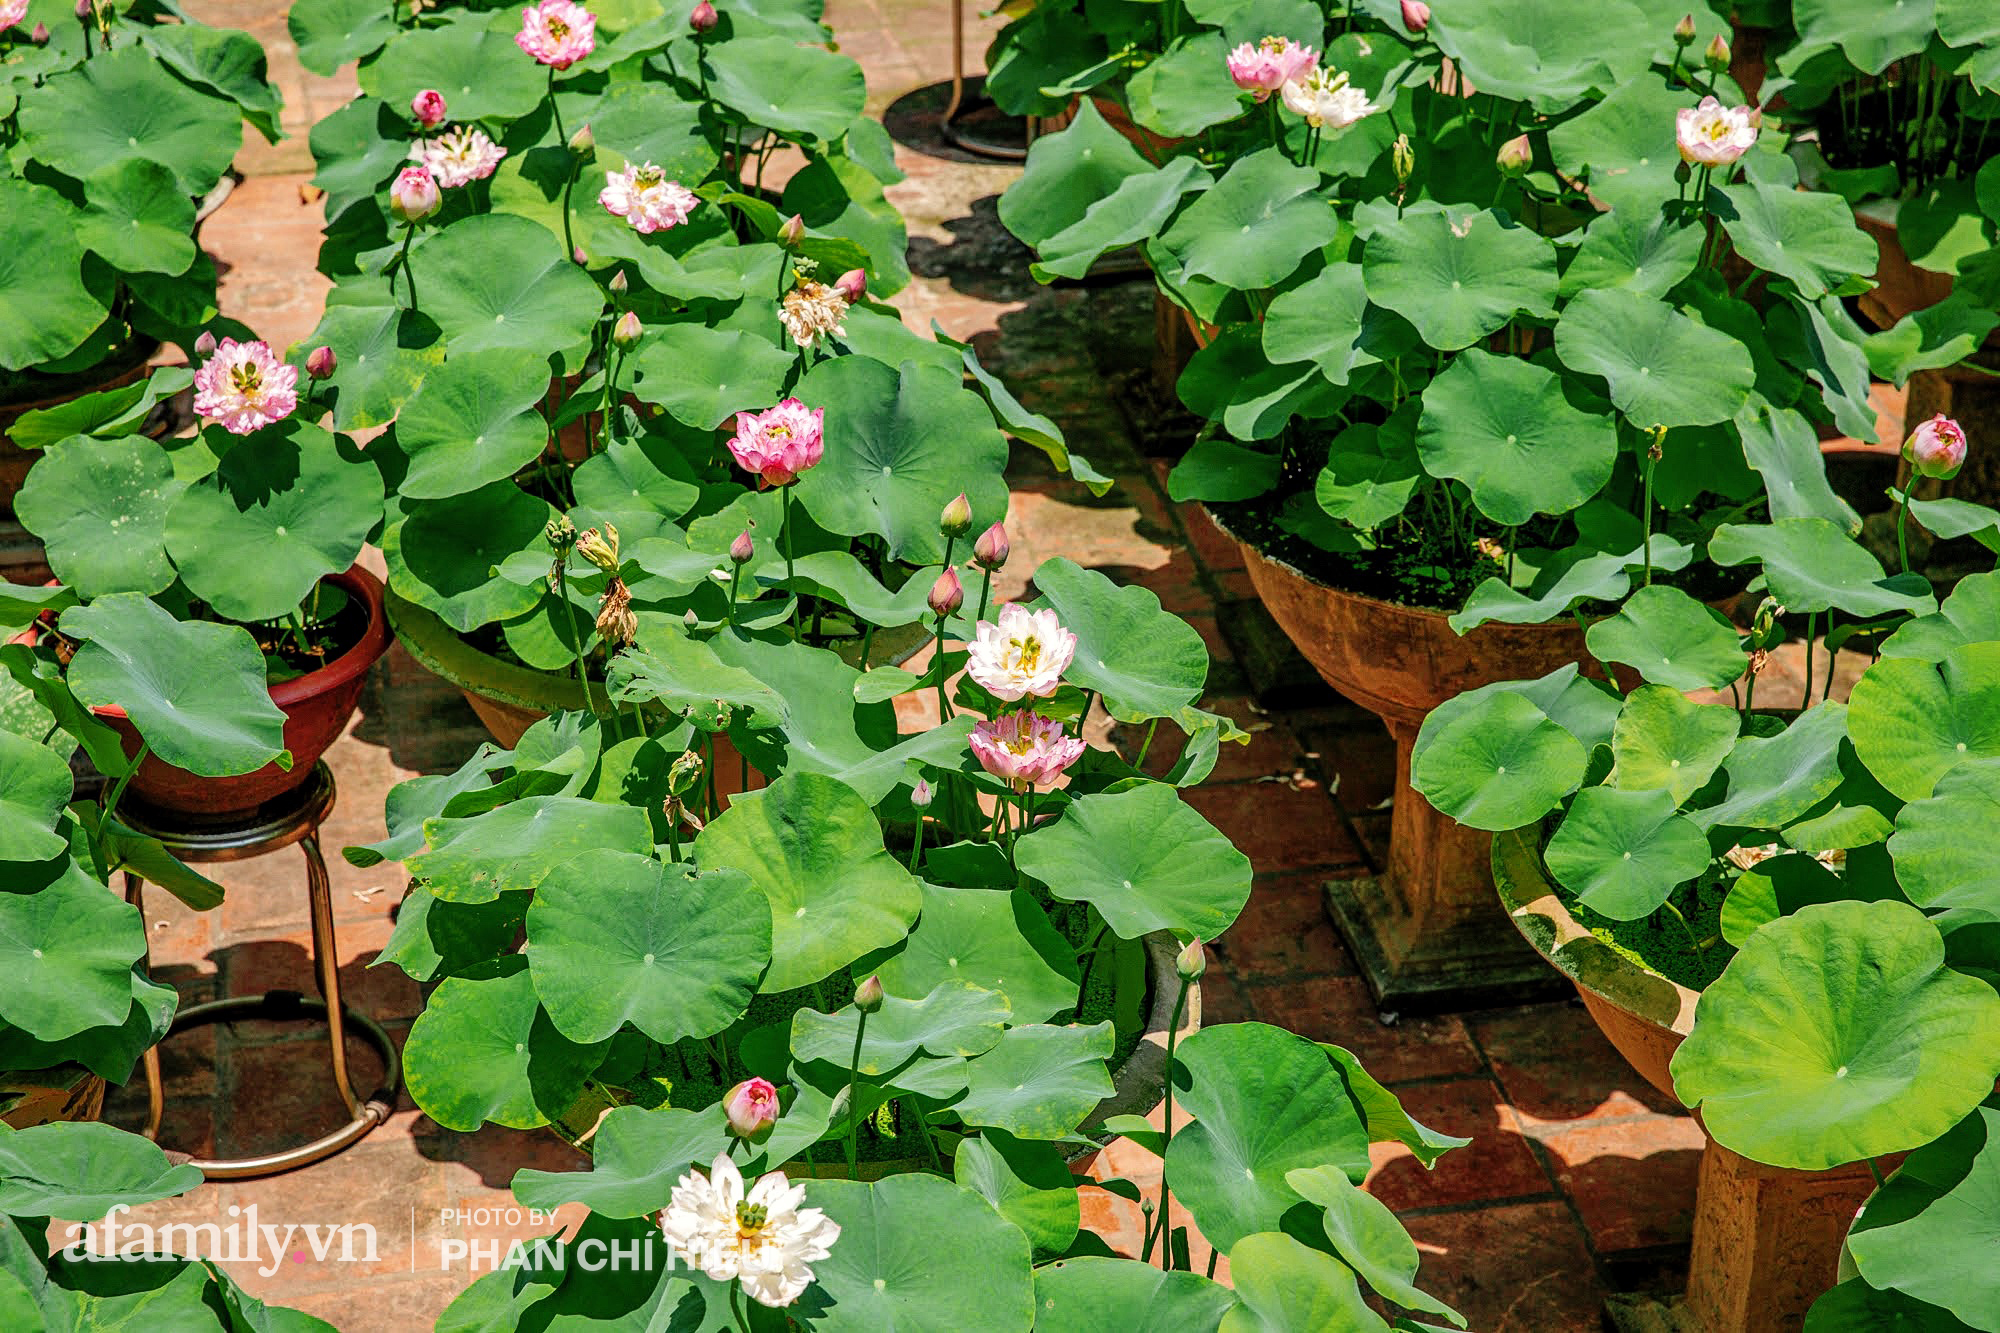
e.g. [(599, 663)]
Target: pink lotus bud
[(1937, 447), (1515, 156), (1684, 31), (990, 551), (956, 520), (1716, 56), (628, 330), (1191, 961), (428, 107), (84, 9), (792, 231), (704, 17), (40, 36), (921, 795), (205, 345), (321, 362), (852, 285), (414, 196), (1416, 15), (582, 259), (742, 549), (868, 995), (947, 594), (619, 283), (752, 1108), (583, 143)]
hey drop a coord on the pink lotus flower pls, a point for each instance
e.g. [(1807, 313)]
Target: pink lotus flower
[(1713, 135), (752, 1108), (780, 442), (458, 157), (321, 362), (812, 310), (428, 107), (1025, 653), (1327, 100), (414, 195), (12, 12), (644, 197), (557, 32), (244, 387), (1269, 65), (1025, 749), (1937, 447)]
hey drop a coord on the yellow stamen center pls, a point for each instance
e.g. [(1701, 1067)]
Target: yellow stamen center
[(246, 378)]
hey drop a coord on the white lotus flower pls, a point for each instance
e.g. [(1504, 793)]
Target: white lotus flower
[(1326, 99), (1025, 653), (763, 1239)]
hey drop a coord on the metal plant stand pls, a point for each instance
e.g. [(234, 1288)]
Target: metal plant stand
[(293, 820), (952, 134)]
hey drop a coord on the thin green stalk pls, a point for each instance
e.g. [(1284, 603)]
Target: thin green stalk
[(1167, 1124), (1826, 690), (569, 614), (1646, 509), (735, 576), (1693, 943), (867, 643), (1089, 956), (1875, 1171), (1812, 620), (785, 540), (1083, 713), (110, 802), (1902, 542), (736, 1307), (403, 262), (1146, 744), (569, 172), (916, 1113), (853, 1075), (985, 590), (917, 847)]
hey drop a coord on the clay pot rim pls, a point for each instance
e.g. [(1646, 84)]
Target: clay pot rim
[(1387, 607)]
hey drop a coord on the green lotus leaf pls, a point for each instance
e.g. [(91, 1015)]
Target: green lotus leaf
[(1495, 763), (194, 689), (1028, 1183), (79, 1172), (35, 787), (684, 674), (111, 1051), (470, 58), (1624, 145), (109, 414), (1942, 860), (650, 122), (812, 846), (1774, 780), (1826, 343), (100, 508), (703, 375), (472, 421), (1106, 618), (1781, 885), (45, 310), (858, 227), (68, 950), (124, 106), (635, 481), (1925, 1232), (1232, 381), (538, 300), (517, 846), (1811, 565), (137, 219), (1506, 428), (1855, 1307), (1253, 227), (329, 33), (1327, 320), (1458, 281), (1623, 853), (997, 941), (1970, 615), (1384, 1115), (1784, 449), (223, 59), (484, 1051), (1838, 1033), (1914, 721), (384, 354), (1068, 173), (1283, 1285), (1371, 471), (1571, 577), (1543, 56), (1145, 860), (1802, 235), (359, 149), (1627, 248), (1970, 23), (1369, 1238), (953, 1019), (794, 89), (1137, 209), (1664, 368), (1666, 741), (1040, 1082), (1870, 37), (1094, 1293), (635, 1159), (445, 555), (1671, 639), (283, 510), (890, 1271), (1011, 415)]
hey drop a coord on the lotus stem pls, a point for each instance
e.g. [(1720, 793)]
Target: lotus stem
[(118, 788), (569, 614), (403, 262), (1146, 744), (1902, 524), (736, 1307), (1812, 620), (1167, 1123), (853, 1076)]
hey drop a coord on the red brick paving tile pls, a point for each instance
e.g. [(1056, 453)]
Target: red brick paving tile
[(488, 1159), (383, 993), (1284, 931), (1556, 1066), (1497, 1164), (1632, 1181), (186, 1126), (1340, 1010), (1222, 1000), (1522, 1268), (281, 1094), (1176, 583), (1216, 549), (1272, 750), (1360, 758), (382, 1307), (1277, 827)]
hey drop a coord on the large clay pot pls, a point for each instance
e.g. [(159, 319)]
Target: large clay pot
[(1901, 288), (316, 706), (1767, 1240), (1425, 932)]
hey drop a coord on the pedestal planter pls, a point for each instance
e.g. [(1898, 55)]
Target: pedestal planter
[(1766, 1240), (1425, 932)]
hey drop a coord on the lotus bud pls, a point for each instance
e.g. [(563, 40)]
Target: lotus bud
[(921, 795), (600, 551), (742, 549), (1716, 55), (752, 1108), (852, 285), (428, 107), (619, 284), (414, 195), (560, 533), (1936, 448), (1191, 961), (84, 9), (703, 17), (685, 775), (947, 594), (581, 257), (956, 520), (690, 619), (628, 330), (1684, 31), (205, 344), (321, 362), (583, 143), (1416, 15), (868, 995), (40, 36), (990, 551), (1515, 156), (1404, 159), (791, 231)]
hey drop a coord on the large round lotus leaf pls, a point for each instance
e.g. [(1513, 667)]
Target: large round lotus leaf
[(100, 508), (470, 58), (1370, 1239), (900, 445), (1495, 763), (615, 938), (918, 1253), (283, 510), (384, 355), (1548, 53), (953, 1019), (1459, 281), (1970, 615), (1505, 428), (1264, 1102), (1110, 620), (1145, 860), (1135, 211), (1872, 36), (1784, 448), (1371, 472), (646, 478), (358, 149), (518, 845), (1574, 576), (502, 281), (194, 689), (650, 122), (1251, 229), (1671, 639), (1810, 564), (1632, 249), (1092, 1294), (1187, 89), (635, 1159), (1855, 1307), (1912, 721), (473, 421), (1932, 1230), (703, 375), (1664, 368), (1040, 1082), (812, 847), (1664, 740), (45, 310), (1625, 144), (137, 219), (224, 60), (1943, 855), (1838, 1033), (1803, 235), (1067, 174), (67, 950), (482, 1050), (35, 786), (1282, 1285), (791, 88), (1029, 1183), (329, 33), (1327, 320), (1623, 853), (998, 941), (444, 554), (78, 1172), (123, 106), (1772, 780), (1231, 380)]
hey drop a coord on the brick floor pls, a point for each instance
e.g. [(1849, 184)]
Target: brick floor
[(1576, 1166)]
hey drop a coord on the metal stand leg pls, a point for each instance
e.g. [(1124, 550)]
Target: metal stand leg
[(1003, 152), (326, 965), (156, 1093)]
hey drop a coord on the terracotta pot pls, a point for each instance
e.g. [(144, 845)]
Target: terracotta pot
[(1767, 1240), (1901, 288), (316, 706), (15, 461)]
